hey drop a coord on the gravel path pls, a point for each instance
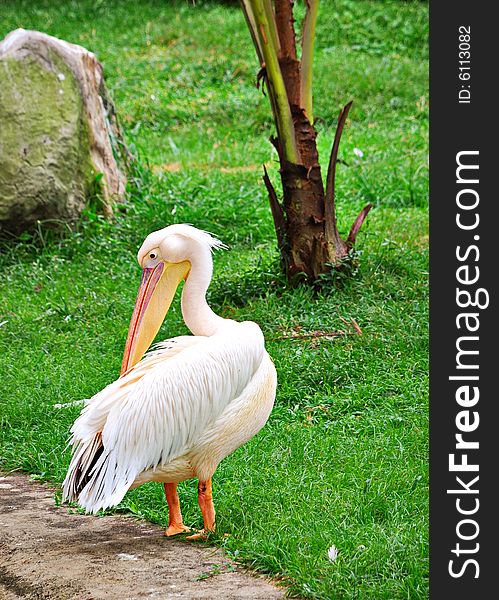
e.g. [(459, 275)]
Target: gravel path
[(48, 553)]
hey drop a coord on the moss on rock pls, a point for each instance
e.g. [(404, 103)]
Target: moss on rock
[(47, 171)]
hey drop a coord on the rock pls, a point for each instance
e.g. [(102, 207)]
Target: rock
[(58, 133)]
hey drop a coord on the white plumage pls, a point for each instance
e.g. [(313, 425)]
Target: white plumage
[(187, 404)]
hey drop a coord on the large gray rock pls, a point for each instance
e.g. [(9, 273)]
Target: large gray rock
[(57, 131)]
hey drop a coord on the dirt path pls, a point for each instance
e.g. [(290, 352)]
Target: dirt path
[(47, 553)]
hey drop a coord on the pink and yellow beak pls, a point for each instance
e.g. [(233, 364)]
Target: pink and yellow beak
[(155, 295)]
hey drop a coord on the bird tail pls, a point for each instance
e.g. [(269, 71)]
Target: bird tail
[(85, 455), (92, 479)]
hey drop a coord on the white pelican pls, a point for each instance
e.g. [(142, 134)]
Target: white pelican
[(187, 404)]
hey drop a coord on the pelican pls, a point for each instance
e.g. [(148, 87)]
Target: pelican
[(177, 411)]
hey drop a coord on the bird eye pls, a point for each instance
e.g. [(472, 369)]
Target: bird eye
[(153, 255)]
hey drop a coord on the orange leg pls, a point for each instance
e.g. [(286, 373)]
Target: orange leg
[(205, 501), (175, 523)]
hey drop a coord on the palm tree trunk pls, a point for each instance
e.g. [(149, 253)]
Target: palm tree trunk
[(305, 218)]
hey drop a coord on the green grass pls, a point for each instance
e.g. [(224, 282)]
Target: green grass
[(343, 459)]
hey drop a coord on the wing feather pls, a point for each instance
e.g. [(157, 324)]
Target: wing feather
[(158, 410), (94, 415)]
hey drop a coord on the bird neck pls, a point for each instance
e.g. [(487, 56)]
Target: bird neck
[(198, 316)]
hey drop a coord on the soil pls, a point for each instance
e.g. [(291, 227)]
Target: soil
[(47, 552)]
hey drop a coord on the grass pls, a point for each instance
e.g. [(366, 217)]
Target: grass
[(343, 459)]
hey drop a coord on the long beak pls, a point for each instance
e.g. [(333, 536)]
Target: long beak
[(155, 295)]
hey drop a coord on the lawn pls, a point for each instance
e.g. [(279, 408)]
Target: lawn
[(343, 458)]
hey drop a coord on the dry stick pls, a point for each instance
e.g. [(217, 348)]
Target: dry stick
[(317, 334), (354, 323), (314, 334), (356, 326)]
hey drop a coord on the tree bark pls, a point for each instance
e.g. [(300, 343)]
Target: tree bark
[(305, 218), (303, 200), (305, 221)]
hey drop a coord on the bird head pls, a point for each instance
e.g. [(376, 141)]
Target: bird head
[(166, 258)]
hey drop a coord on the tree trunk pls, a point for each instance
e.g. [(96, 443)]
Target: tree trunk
[(305, 219), (308, 237)]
